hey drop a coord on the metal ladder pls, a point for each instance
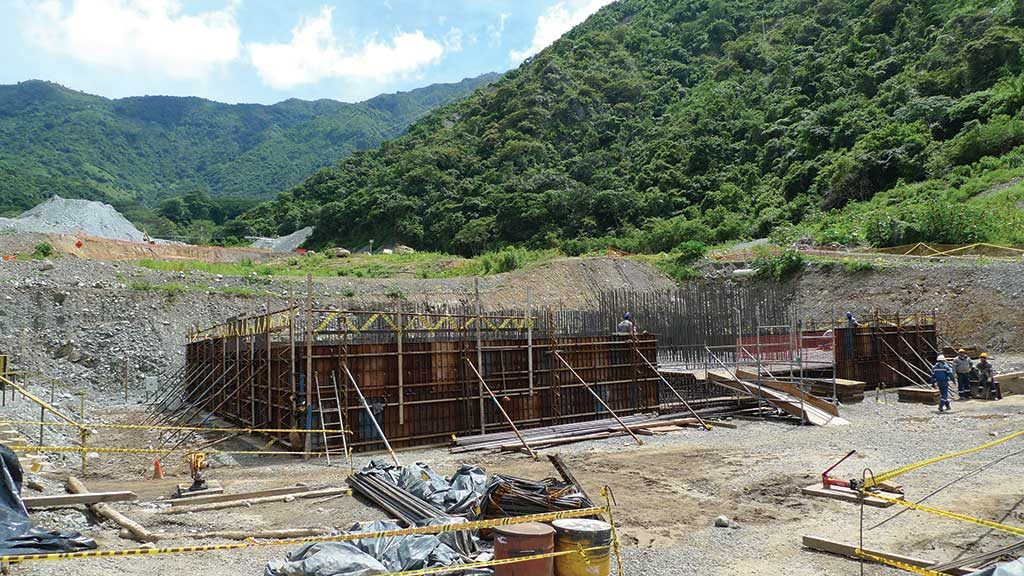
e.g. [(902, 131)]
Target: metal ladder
[(329, 402)]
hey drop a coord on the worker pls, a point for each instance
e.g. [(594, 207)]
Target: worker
[(626, 326), (851, 326), (963, 365), (942, 375), (987, 377)]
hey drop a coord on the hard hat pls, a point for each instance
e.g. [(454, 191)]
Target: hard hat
[(940, 358), (849, 314), (984, 355), (961, 351)]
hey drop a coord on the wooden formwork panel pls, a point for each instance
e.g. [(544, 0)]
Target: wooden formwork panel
[(435, 394), (890, 356)]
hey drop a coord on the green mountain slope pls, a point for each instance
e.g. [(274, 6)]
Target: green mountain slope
[(56, 140), (658, 121)]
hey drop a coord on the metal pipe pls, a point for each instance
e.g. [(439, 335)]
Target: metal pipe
[(500, 408), (664, 381), (369, 412), (598, 398)]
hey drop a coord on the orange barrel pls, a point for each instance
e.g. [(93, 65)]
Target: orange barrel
[(528, 539), (576, 533)]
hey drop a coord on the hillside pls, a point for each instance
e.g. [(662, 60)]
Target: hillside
[(58, 141), (657, 121)]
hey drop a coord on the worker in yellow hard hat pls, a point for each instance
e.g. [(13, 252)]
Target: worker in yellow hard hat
[(987, 377)]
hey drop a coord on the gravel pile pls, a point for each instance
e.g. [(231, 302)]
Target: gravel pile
[(60, 216), (285, 243)]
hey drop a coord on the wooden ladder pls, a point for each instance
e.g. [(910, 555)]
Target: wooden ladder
[(329, 402)]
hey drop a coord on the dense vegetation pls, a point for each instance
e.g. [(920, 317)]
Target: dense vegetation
[(660, 121), (148, 149)]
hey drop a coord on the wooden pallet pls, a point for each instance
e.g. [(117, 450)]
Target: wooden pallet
[(917, 395), (847, 495)]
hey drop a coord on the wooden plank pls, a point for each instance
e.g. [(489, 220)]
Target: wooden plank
[(780, 400), (847, 495), (209, 499), (249, 502), (75, 499), (794, 390), (918, 395), (849, 550)]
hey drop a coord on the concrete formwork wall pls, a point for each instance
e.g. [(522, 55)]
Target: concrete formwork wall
[(887, 355), (437, 394)]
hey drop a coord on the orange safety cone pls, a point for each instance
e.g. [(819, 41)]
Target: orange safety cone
[(158, 470)]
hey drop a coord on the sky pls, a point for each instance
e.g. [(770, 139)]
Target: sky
[(265, 51)]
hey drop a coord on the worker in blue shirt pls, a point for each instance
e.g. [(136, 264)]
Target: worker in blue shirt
[(942, 375)]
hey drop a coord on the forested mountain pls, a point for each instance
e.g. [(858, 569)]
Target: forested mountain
[(58, 141), (658, 121)]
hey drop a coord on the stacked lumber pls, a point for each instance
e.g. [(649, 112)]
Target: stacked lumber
[(918, 395), (785, 396), (847, 391)]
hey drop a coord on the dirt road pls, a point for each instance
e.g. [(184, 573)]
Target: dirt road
[(668, 493)]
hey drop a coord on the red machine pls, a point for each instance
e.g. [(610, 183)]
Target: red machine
[(827, 481)]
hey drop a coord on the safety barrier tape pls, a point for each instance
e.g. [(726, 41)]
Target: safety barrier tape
[(436, 529), (896, 564), (500, 562), (40, 402), (1016, 530), (108, 450), (885, 476), (101, 426)]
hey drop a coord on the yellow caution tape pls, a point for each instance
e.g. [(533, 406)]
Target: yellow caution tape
[(954, 515), (500, 562), (896, 564), (101, 426), (436, 529), (108, 450), (40, 402), (878, 479)]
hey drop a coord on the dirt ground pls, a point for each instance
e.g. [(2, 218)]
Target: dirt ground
[(667, 493)]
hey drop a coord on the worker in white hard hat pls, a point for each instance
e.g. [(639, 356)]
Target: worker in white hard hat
[(942, 375), (987, 377)]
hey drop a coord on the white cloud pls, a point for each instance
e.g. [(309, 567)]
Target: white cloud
[(494, 31), (136, 35), (314, 54), (453, 40), (555, 21)]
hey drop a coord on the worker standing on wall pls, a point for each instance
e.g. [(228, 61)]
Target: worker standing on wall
[(963, 365), (851, 326), (626, 326), (942, 375), (987, 378)]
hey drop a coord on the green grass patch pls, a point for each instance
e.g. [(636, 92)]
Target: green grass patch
[(415, 265), (169, 289)]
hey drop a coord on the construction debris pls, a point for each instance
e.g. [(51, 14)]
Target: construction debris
[(253, 501), (58, 500), (131, 528)]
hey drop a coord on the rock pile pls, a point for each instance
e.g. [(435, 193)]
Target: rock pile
[(60, 216)]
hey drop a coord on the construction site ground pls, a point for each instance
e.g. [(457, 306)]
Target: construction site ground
[(668, 493)]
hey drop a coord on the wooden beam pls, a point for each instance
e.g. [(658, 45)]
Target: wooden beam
[(263, 500), (211, 498), (850, 551), (847, 495), (132, 528), (75, 499)]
